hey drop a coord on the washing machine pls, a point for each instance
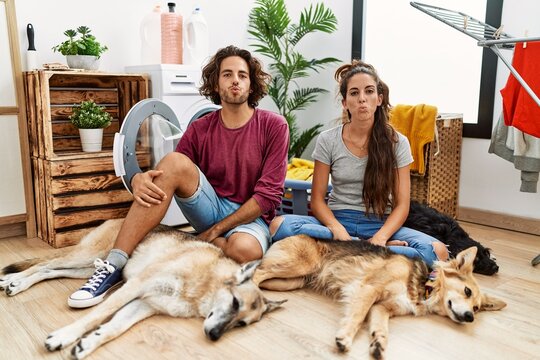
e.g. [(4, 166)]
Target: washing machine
[(153, 127)]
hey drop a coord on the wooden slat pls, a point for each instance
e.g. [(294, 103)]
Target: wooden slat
[(85, 183), (61, 97), (63, 112), (92, 199), (87, 79), (30, 95), (45, 141), (71, 237), (12, 219), (11, 230), (499, 220), (88, 216), (66, 128), (93, 162), (74, 143), (9, 110)]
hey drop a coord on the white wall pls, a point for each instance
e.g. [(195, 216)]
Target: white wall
[(487, 182)]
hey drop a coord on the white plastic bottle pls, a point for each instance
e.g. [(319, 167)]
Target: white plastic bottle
[(151, 37), (197, 39)]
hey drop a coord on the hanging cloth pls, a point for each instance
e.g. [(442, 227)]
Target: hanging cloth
[(519, 108), (417, 123)]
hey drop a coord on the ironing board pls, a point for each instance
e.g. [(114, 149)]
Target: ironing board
[(486, 36)]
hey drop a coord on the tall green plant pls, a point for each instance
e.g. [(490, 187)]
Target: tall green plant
[(276, 37)]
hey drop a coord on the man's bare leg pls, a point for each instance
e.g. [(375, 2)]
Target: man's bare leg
[(241, 247), (181, 177)]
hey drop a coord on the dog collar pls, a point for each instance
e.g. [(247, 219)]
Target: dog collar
[(428, 288)]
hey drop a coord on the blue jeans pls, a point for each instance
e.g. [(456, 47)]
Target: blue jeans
[(358, 225)]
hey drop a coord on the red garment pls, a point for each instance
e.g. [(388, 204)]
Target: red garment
[(519, 108), (250, 161)]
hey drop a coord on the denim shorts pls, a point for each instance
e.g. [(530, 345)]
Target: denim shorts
[(205, 208), (358, 225)]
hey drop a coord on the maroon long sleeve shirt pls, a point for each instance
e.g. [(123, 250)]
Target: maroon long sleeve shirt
[(250, 161)]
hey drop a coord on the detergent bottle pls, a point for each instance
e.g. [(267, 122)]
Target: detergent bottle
[(151, 37), (171, 36), (196, 40)]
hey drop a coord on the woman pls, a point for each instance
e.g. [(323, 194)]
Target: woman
[(369, 163)]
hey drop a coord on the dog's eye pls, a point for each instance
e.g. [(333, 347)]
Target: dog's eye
[(235, 304), (241, 323), (475, 308), (468, 292)]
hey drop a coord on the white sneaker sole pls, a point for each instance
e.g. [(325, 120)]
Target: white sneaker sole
[(80, 304)]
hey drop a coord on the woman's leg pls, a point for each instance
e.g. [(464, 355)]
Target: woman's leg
[(426, 247), (290, 225)]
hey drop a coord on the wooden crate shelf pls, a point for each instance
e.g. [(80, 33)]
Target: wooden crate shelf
[(76, 194), (75, 191), (51, 95)]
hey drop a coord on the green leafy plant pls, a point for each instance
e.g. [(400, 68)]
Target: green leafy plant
[(276, 37), (85, 45), (90, 116)]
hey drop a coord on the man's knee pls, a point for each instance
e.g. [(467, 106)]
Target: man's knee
[(440, 250), (243, 247), (176, 164)]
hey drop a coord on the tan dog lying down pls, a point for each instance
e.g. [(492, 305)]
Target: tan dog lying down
[(371, 281), (170, 272)]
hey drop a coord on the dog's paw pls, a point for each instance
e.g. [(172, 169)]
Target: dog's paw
[(59, 339), (5, 281), (85, 346), (343, 343), (14, 288), (376, 350)]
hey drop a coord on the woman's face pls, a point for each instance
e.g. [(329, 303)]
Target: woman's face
[(362, 99)]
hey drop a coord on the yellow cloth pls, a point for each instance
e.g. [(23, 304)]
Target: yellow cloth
[(300, 169), (417, 123)]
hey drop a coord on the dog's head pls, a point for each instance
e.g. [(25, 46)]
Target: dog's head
[(484, 263), (456, 291), (238, 303)]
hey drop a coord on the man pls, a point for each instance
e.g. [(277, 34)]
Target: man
[(226, 175)]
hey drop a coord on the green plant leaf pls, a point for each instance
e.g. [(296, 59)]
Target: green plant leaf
[(311, 20), (303, 97), (301, 142)]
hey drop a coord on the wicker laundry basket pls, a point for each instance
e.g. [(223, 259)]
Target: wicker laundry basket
[(438, 187)]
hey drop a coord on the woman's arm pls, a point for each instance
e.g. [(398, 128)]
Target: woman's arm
[(401, 209), (322, 212)]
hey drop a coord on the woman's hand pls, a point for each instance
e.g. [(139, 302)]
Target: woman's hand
[(339, 232), (145, 192)]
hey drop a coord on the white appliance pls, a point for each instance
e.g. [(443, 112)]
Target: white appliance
[(158, 123)]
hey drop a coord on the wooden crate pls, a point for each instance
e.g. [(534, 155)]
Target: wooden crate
[(439, 186), (77, 193), (50, 96)]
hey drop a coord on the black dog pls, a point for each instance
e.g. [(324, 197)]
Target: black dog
[(444, 228)]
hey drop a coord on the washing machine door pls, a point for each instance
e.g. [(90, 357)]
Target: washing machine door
[(150, 131)]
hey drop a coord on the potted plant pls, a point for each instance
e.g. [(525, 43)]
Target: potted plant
[(83, 52), (276, 38), (90, 119)]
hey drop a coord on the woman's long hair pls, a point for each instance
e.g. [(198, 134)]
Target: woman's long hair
[(258, 78), (380, 177)]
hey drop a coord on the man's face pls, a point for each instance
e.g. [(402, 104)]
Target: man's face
[(234, 84)]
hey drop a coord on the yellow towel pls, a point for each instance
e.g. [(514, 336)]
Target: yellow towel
[(300, 169), (417, 123)]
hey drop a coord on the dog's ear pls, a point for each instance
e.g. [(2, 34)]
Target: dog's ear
[(246, 272), (272, 305), (490, 303), (465, 259)]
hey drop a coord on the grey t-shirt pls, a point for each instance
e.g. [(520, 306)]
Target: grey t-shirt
[(347, 170)]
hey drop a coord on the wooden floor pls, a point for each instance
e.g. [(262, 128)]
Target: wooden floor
[(304, 328)]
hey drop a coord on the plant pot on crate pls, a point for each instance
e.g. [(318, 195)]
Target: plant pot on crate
[(90, 119), (85, 62), (91, 139)]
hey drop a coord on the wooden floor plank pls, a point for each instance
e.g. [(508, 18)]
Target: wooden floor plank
[(304, 328)]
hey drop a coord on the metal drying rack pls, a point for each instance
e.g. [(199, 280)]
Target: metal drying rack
[(485, 34)]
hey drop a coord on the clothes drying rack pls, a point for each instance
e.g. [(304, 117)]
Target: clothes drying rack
[(485, 34)]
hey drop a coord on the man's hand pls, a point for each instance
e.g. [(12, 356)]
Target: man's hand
[(145, 192), (210, 234)]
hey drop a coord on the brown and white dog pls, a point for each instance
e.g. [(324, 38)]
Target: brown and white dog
[(170, 272), (372, 282)]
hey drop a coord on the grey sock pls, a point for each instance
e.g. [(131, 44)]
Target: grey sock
[(118, 258)]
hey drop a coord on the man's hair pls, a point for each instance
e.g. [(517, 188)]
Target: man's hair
[(258, 78)]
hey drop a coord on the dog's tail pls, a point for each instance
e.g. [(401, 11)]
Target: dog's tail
[(20, 266)]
